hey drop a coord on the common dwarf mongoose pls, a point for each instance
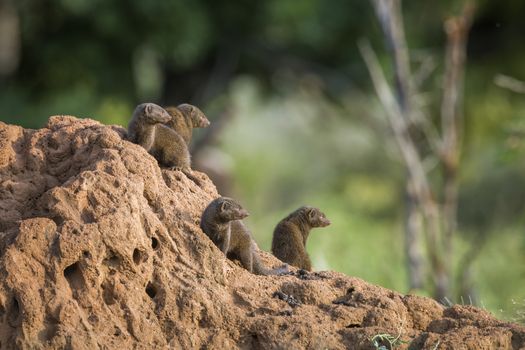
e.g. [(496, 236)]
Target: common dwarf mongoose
[(290, 234), (141, 128), (221, 221), (184, 118), (146, 128)]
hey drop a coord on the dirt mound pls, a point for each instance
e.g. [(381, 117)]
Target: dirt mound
[(100, 248)]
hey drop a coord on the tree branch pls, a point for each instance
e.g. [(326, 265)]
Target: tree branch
[(457, 29), (510, 83)]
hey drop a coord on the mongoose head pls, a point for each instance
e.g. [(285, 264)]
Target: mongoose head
[(316, 218), (152, 113), (198, 119), (228, 209)]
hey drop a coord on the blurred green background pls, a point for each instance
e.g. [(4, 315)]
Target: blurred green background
[(296, 119)]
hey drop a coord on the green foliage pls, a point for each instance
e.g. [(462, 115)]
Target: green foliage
[(519, 315), (385, 341)]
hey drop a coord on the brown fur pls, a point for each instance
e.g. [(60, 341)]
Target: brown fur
[(184, 118), (142, 126), (291, 233), (221, 221), (170, 149), (146, 128)]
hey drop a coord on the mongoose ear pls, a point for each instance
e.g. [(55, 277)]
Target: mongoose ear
[(148, 108), (185, 108), (311, 214), (225, 206)]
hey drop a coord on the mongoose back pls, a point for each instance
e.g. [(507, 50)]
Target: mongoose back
[(290, 234), (146, 128), (184, 118), (221, 221)]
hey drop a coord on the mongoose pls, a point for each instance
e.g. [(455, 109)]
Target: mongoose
[(141, 128), (184, 118), (290, 234), (146, 128), (221, 221)]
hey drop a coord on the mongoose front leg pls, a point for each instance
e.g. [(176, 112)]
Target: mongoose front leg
[(147, 140), (307, 263), (225, 244), (246, 257), (189, 174)]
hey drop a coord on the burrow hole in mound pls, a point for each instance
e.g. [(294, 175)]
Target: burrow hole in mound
[(137, 256), (353, 325), (154, 243), (73, 275), (57, 220), (50, 329), (53, 143), (112, 260), (14, 311), (151, 290), (16, 307), (107, 293), (87, 217)]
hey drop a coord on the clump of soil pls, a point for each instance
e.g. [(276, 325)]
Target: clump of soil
[(100, 248)]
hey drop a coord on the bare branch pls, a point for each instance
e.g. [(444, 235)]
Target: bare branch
[(413, 163), (510, 83), (398, 124), (427, 66), (405, 110), (391, 19), (457, 29)]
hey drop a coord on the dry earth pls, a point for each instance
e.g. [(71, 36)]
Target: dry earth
[(101, 249)]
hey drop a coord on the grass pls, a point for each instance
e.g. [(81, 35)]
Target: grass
[(386, 341)]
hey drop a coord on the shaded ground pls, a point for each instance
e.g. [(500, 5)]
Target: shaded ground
[(100, 248)]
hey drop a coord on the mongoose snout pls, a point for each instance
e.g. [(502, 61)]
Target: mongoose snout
[(319, 220), (230, 210), (198, 118), (186, 117)]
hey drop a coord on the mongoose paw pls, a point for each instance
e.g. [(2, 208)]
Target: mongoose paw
[(302, 272), (284, 270)]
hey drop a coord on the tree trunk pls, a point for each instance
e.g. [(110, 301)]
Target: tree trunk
[(413, 243)]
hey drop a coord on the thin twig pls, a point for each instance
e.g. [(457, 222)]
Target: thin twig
[(510, 83), (409, 153), (457, 29)]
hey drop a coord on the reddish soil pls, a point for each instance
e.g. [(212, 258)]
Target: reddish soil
[(101, 249)]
